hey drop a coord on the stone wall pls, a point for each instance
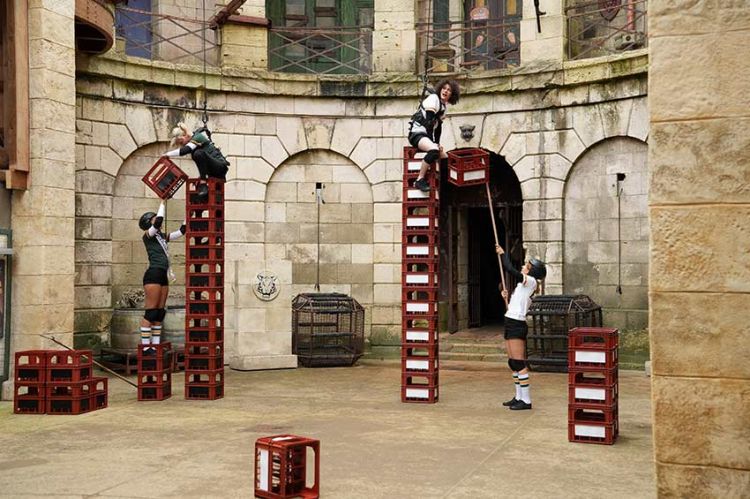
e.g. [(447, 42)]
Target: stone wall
[(607, 247), (699, 201)]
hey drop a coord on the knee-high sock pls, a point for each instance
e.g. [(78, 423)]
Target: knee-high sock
[(517, 385), (155, 335), (145, 335), (523, 380)]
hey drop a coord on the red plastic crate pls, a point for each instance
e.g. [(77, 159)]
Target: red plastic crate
[(215, 192), (155, 379), (414, 337), (427, 210), (215, 225), (411, 194), (593, 431), (200, 336), (73, 389), (204, 392), (29, 398), (410, 318), (31, 374), (424, 380), (61, 374), (420, 394), (425, 351), (468, 167), (419, 280), (592, 358), (199, 308), (199, 281), (165, 178), (419, 295), (204, 322), (419, 322), (155, 358), (593, 338), (154, 393), (205, 378), (429, 267), (606, 377), (414, 309), (205, 269), (281, 467), (206, 349), (68, 405), (69, 358), (593, 397), (577, 413), (203, 362), (427, 365), (199, 254), (31, 359)]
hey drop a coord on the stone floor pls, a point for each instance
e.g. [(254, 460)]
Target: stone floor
[(372, 445)]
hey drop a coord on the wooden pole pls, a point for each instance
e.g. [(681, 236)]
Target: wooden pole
[(497, 241)]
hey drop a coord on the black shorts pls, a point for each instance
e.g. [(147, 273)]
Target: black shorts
[(414, 138), (515, 330), (155, 275)]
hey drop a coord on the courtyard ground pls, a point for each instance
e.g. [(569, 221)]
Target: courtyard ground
[(372, 445)]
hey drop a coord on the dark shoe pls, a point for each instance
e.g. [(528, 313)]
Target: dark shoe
[(510, 402), (422, 185), (203, 190), (520, 405)]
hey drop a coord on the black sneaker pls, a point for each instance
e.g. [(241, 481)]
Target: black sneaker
[(203, 190), (520, 405), (422, 185), (510, 402)]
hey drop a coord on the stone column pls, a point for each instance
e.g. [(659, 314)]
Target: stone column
[(394, 40), (43, 216), (699, 152), (549, 45)]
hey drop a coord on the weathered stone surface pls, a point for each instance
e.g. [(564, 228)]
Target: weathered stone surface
[(291, 132), (676, 480), (700, 161), (718, 437), (319, 132), (688, 245)]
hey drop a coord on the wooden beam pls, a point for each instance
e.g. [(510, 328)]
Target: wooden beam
[(16, 93)]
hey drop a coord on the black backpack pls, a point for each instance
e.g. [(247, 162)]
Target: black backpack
[(216, 160)]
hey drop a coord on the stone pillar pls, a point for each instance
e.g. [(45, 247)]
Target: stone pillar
[(549, 45), (43, 216), (699, 152), (394, 40)]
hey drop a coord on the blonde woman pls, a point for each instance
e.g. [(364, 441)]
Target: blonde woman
[(208, 158)]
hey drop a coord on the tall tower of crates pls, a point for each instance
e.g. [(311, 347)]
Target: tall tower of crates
[(204, 292), (419, 281)]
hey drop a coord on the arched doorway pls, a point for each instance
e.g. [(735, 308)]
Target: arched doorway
[(469, 271)]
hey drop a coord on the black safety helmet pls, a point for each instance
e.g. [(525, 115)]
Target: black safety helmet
[(538, 269), (145, 222)]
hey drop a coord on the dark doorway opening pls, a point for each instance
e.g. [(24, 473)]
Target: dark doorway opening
[(484, 270)]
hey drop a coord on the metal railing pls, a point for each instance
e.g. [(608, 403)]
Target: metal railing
[(598, 28), (330, 50), (164, 37), (456, 46)]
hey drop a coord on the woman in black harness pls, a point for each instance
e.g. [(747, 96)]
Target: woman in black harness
[(157, 276), (208, 158), (426, 126)]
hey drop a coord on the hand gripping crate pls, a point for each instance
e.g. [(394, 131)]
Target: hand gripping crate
[(281, 467), (468, 167), (165, 178)]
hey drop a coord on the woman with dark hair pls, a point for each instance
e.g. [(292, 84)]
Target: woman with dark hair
[(157, 276), (425, 126)]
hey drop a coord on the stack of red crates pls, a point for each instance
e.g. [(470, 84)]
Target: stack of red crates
[(419, 281), (204, 292), (281, 467), (57, 382), (155, 365), (592, 385)]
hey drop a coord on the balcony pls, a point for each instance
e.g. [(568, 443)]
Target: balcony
[(330, 50), (468, 46), (597, 28)]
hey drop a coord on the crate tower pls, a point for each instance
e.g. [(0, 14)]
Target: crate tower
[(155, 365), (419, 281), (592, 385), (204, 291)]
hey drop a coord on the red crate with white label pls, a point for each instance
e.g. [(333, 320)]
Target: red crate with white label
[(468, 167)]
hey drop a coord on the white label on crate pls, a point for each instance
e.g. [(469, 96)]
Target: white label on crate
[(420, 155), (417, 336), (453, 174), (263, 469), (598, 357), (584, 430), (417, 393), (418, 222), (475, 175), (417, 279), (414, 166), (417, 194), (591, 393), (417, 250), (417, 307), (418, 364)]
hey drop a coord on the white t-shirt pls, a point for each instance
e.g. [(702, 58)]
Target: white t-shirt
[(520, 300), (430, 103)]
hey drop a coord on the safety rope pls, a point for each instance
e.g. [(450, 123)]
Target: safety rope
[(204, 118)]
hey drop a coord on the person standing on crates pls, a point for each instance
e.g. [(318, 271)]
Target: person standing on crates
[(516, 328), (208, 158), (426, 126), (158, 275)]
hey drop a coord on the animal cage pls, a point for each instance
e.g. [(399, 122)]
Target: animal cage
[(552, 317), (328, 329)]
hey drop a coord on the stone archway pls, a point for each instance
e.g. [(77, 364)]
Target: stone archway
[(608, 264)]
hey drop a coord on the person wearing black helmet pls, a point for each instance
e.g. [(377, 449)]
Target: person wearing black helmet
[(157, 276), (516, 328)]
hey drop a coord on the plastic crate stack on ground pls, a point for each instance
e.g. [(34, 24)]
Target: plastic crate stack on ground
[(155, 365), (281, 467), (57, 382), (592, 385), (419, 281), (204, 292)]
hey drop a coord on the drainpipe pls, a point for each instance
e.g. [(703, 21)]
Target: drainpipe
[(7, 254)]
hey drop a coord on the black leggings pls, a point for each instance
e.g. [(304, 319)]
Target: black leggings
[(206, 168)]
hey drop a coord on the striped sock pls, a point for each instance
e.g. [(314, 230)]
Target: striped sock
[(523, 380), (518, 386), (145, 335), (155, 335)]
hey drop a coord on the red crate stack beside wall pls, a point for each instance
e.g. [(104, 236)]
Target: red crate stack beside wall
[(204, 292)]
